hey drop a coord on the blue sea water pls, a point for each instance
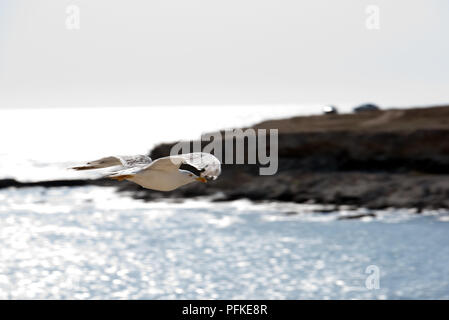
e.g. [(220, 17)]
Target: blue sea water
[(95, 243)]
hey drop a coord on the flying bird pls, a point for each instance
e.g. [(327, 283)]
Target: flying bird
[(163, 174)]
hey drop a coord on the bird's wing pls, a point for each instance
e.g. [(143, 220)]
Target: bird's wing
[(126, 173), (208, 166), (132, 161), (123, 161)]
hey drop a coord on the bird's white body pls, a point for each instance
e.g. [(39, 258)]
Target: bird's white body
[(163, 174), (161, 180)]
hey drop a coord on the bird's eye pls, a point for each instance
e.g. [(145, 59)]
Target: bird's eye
[(190, 175)]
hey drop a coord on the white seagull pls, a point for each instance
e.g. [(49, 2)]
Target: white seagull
[(163, 174)]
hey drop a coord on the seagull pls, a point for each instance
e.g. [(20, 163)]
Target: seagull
[(163, 174)]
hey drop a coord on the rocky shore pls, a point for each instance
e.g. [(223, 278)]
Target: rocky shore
[(392, 158)]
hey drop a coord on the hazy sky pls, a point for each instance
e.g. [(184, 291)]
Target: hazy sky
[(158, 52)]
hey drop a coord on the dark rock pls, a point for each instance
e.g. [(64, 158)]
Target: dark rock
[(356, 216)]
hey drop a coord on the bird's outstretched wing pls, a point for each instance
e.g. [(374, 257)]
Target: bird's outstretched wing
[(207, 165), (132, 161), (122, 161), (126, 173)]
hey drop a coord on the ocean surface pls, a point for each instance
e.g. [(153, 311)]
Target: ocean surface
[(95, 243)]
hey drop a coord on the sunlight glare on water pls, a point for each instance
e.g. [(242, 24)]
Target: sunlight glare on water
[(93, 243)]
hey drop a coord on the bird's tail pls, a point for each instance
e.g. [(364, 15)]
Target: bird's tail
[(100, 163)]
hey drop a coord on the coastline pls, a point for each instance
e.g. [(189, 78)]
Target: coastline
[(381, 159)]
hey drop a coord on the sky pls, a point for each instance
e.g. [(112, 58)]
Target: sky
[(216, 52)]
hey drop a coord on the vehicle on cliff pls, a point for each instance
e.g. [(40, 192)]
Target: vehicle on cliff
[(366, 107), (330, 110)]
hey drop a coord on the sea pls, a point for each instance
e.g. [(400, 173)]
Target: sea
[(96, 243)]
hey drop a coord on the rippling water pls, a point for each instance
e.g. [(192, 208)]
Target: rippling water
[(93, 243)]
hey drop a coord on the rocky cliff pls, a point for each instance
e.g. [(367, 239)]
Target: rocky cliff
[(392, 158)]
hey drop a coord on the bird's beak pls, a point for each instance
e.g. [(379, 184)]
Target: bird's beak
[(201, 179)]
